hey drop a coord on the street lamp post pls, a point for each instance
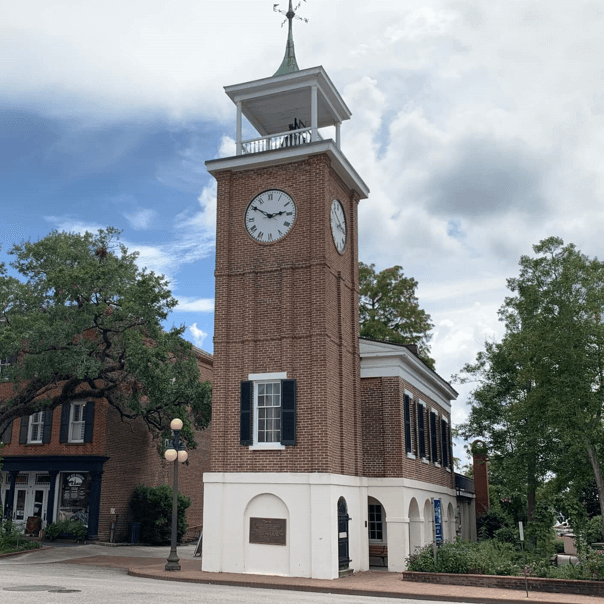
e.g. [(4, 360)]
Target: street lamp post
[(177, 454)]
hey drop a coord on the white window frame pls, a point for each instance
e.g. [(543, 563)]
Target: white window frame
[(382, 522), (39, 416), (81, 424), (4, 363), (263, 378)]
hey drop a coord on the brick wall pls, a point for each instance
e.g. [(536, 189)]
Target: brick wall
[(290, 306), (563, 586), (384, 450), (134, 459)]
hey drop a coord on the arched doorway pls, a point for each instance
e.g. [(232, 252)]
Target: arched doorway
[(415, 527), (343, 545), (378, 540)]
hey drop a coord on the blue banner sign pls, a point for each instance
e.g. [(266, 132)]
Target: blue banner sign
[(438, 522)]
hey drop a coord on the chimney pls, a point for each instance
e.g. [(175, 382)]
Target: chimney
[(481, 477)]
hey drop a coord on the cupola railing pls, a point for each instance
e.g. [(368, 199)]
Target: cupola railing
[(292, 138)]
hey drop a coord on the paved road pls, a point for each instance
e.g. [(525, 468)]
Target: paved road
[(106, 585), (44, 577)]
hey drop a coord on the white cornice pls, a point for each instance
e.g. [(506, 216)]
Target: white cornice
[(380, 359), (340, 164)]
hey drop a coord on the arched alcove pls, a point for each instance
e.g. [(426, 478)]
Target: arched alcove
[(450, 523), (266, 558), (428, 521), (415, 528)]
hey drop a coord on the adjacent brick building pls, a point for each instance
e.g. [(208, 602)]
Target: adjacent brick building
[(81, 460)]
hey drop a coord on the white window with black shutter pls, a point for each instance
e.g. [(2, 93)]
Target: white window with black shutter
[(434, 436), (421, 429), (268, 411), (36, 428), (77, 422)]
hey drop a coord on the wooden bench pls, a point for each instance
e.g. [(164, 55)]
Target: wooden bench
[(379, 551)]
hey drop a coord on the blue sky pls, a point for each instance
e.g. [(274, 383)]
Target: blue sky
[(478, 126)]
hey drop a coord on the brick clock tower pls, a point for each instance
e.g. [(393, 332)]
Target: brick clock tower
[(285, 494)]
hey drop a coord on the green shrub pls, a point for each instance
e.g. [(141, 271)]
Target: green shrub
[(489, 523), (76, 528), (465, 557), (152, 507), (559, 546)]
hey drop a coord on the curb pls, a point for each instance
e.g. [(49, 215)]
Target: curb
[(347, 591), (25, 551)]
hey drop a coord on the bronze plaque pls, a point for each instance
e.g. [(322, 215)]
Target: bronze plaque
[(270, 531)]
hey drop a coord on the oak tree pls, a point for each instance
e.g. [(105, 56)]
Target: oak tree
[(389, 309), (79, 320)]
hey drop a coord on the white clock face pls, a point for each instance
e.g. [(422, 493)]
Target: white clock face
[(270, 216), (338, 225)]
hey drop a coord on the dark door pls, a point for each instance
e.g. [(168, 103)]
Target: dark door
[(343, 547)]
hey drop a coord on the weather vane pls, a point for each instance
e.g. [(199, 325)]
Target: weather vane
[(291, 13)]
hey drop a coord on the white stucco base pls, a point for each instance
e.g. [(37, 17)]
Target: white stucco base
[(308, 502)]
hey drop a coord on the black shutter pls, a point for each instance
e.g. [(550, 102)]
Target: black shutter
[(288, 412), (88, 421), (450, 446), (445, 452), (6, 437), (64, 432), (46, 433), (415, 438), (433, 437), (245, 413), (422, 432), (407, 425), (23, 430)]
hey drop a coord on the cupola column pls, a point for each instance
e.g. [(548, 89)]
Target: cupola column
[(238, 130), (314, 118)]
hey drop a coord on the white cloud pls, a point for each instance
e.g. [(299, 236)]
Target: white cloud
[(141, 219), (198, 335), (195, 304)]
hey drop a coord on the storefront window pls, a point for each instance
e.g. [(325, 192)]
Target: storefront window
[(73, 503)]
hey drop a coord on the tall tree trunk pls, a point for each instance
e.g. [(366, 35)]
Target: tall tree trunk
[(595, 464)]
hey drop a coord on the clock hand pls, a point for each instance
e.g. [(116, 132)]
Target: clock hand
[(259, 210)]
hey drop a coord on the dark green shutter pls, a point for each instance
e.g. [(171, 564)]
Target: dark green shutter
[(88, 421), (407, 425), (47, 431), (6, 437), (288, 412), (23, 430), (245, 413), (64, 432), (444, 446), (422, 432)]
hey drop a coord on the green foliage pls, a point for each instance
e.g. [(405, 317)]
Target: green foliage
[(11, 538), (152, 507), (539, 398), (389, 309), (466, 557), (92, 323), (75, 528)]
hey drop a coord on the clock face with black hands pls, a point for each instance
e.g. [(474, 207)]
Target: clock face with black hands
[(270, 216), (338, 225)]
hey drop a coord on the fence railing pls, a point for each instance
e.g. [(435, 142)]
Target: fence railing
[(292, 138)]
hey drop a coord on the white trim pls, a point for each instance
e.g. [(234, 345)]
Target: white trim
[(81, 423), (40, 425), (258, 377), (339, 163), (266, 446), (410, 456), (425, 460)]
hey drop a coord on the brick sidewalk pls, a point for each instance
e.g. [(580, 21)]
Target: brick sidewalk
[(380, 584)]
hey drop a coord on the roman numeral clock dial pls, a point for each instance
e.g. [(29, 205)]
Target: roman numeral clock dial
[(270, 216), (338, 225)]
